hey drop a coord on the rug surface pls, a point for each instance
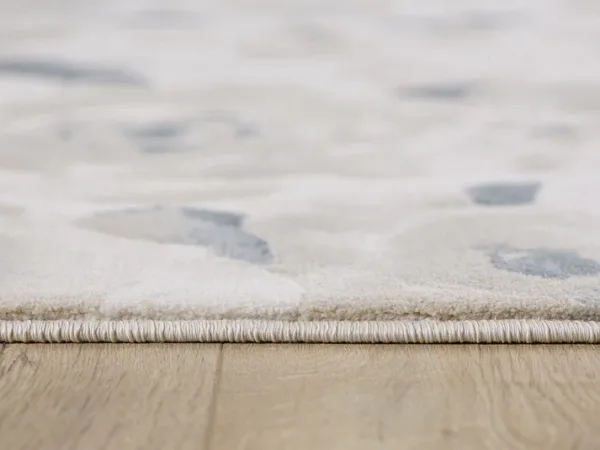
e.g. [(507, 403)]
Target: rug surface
[(298, 170)]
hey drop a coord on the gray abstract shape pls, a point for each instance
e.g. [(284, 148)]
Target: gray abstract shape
[(66, 72), (220, 231), (245, 130), (216, 217), (554, 131), (158, 137), (160, 130), (233, 242), (240, 128), (178, 136), (442, 91), (504, 194), (543, 262)]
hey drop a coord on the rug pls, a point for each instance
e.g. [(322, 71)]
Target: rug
[(299, 171)]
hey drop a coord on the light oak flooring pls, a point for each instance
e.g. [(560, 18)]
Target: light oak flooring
[(278, 397)]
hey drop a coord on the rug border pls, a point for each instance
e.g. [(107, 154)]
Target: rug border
[(279, 331)]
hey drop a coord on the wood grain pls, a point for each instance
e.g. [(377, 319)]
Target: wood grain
[(278, 397), (408, 397), (106, 396)]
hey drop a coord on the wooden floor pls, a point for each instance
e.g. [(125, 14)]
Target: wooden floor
[(278, 397)]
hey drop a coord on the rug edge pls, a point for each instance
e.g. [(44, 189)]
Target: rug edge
[(527, 331)]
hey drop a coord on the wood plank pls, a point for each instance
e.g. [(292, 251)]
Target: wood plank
[(103, 396), (275, 397)]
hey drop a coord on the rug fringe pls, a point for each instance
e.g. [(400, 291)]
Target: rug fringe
[(415, 331)]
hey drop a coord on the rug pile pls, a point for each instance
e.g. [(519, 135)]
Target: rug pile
[(293, 171)]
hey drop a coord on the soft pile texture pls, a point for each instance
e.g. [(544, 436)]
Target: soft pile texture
[(331, 171)]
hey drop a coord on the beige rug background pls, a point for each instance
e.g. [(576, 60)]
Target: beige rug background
[(332, 171)]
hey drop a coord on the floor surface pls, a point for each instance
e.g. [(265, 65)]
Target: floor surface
[(277, 397)]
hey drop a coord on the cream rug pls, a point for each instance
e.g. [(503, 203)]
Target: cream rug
[(299, 170)]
